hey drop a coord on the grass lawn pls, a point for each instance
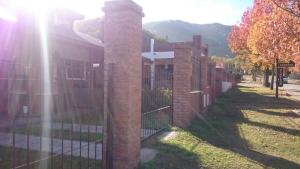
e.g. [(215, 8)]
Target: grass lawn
[(246, 128)]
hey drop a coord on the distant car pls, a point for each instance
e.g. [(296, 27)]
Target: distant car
[(285, 80)]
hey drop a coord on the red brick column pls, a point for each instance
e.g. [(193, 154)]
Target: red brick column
[(123, 46), (182, 114)]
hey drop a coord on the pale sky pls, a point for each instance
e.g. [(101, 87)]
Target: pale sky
[(196, 11)]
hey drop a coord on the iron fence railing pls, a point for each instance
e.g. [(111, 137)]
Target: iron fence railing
[(155, 121), (31, 142), (209, 75), (157, 100)]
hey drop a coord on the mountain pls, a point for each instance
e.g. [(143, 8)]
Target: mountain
[(215, 35)]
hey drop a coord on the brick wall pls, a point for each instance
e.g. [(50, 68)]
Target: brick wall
[(182, 114), (190, 100), (123, 46)]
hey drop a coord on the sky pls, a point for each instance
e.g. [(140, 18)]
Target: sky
[(196, 11), (227, 12)]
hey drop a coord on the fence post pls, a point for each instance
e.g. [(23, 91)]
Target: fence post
[(182, 114), (123, 44)]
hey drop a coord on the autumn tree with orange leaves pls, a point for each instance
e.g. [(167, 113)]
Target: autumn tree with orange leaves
[(269, 30), (238, 38)]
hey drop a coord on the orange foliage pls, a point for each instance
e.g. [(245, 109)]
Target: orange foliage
[(269, 30), (239, 34)]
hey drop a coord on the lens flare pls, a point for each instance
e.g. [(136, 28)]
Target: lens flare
[(6, 15), (46, 81), (39, 9)]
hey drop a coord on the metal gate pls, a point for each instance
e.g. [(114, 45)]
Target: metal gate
[(157, 98)]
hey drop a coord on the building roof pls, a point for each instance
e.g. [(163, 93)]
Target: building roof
[(60, 23), (67, 28), (69, 34), (87, 37)]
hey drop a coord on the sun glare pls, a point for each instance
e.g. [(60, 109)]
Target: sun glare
[(39, 9), (46, 82), (6, 15), (30, 5)]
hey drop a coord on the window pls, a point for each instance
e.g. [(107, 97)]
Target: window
[(97, 76), (75, 70), (6, 69), (10, 70), (21, 71)]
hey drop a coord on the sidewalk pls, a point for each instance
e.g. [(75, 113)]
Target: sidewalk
[(293, 89)]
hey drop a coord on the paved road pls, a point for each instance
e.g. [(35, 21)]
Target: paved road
[(293, 89)]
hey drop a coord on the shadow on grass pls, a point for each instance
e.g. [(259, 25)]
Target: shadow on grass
[(173, 157), (275, 128), (220, 127), (272, 113)]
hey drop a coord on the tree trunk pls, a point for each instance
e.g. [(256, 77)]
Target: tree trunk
[(266, 78), (254, 75), (273, 76)]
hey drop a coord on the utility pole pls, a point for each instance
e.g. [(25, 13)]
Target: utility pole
[(277, 78), (279, 72)]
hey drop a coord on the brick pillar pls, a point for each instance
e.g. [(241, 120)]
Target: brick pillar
[(182, 114), (123, 47)]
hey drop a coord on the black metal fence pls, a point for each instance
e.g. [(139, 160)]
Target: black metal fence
[(157, 99), (209, 74), (53, 131), (59, 143)]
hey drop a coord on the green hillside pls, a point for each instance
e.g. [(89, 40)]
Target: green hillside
[(215, 35)]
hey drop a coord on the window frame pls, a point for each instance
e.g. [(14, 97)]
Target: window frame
[(71, 67), (12, 73)]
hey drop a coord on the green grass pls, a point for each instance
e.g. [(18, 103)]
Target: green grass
[(246, 128), (155, 99), (94, 118)]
